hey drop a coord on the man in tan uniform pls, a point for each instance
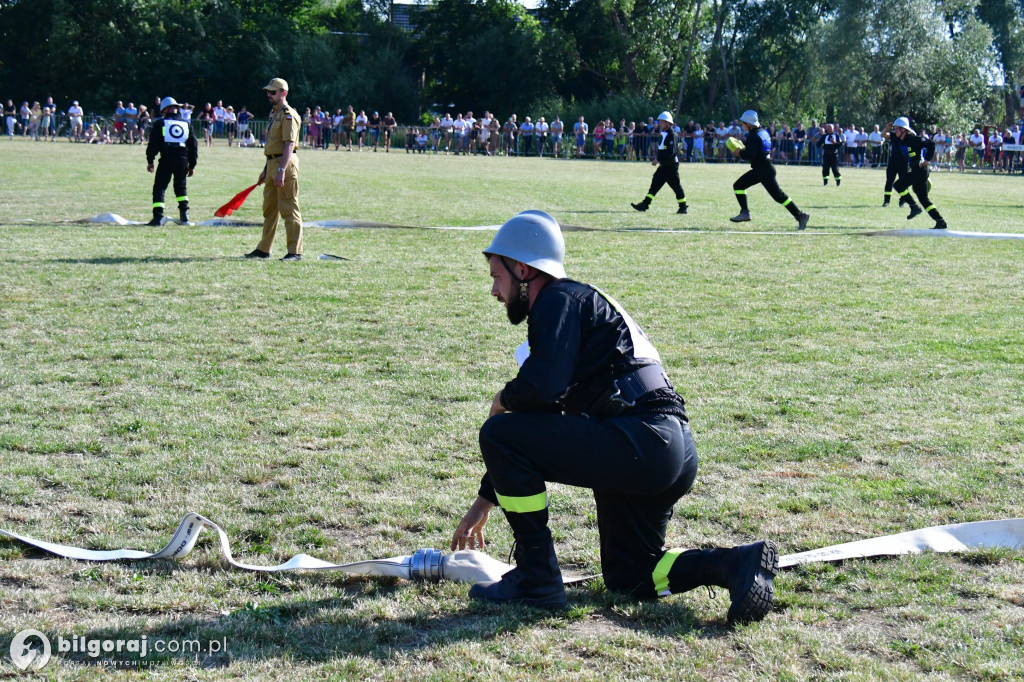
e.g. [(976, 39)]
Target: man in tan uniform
[(281, 191)]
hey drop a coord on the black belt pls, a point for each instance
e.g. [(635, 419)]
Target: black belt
[(630, 388), (274, 156)]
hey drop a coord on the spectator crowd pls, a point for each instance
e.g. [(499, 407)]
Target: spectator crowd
[(991, 147)]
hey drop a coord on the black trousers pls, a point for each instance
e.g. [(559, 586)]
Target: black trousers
[(830, 163), (918, 181), (168, 166), (666, 174), (637, 466), (892, 171)]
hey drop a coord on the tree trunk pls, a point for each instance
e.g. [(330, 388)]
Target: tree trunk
[(715, 44), (689, 56)]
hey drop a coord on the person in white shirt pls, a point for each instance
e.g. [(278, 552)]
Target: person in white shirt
[(721, 134), (75, 114), (469, 141), (361, 121), (540, 133), (484, 136), (447, 125), (338, 119), (875, 146), (862, 145), (219, 112), (459, 127), (977, 142), (995, 145), (230, 123), (850, 144), (698, 142)]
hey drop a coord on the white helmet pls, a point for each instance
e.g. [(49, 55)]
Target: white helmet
[(168, 102), (533, 238), (666, 116), (750, 117), (903, 122)]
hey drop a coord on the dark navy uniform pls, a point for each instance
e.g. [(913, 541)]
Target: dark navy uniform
[(757, 150), (667, 145), (832, 146), (916, 150), (173, 139), (895, 168), (592, 407)]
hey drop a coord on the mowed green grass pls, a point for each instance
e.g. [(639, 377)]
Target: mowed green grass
[(840, 387)]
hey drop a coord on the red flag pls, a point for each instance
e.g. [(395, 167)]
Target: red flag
[(235, 203)]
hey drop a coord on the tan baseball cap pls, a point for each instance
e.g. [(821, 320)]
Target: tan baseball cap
[(276, 84)]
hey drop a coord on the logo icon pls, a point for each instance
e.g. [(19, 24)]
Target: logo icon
[(26, 656)]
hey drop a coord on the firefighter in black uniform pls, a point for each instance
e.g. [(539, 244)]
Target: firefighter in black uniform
[(897, 166), (667, 162), (832, 146), (592, 407), (919, 154), (173, 140), (757, 149)]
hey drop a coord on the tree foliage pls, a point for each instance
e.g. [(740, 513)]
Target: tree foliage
[(853, 60)]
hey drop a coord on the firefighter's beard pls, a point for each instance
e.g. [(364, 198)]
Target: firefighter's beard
[(517, 310)]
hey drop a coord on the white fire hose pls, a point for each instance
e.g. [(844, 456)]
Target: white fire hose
[(471, 566)]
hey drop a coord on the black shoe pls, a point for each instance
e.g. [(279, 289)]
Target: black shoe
[(293, 256), (885, 203), (155, 221), (940, 225), (642, 206), (256, 253), (183, 218), (914, 212), (682, 209), (751, 587), (536, 579), (838, 181), (802, 221), (824, 182), (903, 202)]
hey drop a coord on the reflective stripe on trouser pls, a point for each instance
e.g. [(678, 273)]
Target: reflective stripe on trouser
[(763, 174), (523, 505), (660, 574), (667, 174), (282, 203), (637, 466), (168, 167)]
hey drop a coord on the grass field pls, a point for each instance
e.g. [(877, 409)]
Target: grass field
[(839, 386)]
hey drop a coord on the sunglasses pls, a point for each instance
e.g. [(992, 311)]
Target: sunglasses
[(273, 92)]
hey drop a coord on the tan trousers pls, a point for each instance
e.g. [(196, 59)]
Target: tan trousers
[(282, 202)]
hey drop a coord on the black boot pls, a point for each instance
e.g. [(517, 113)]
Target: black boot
[(158, 217), (682, 208), (183, 213), (642, 206), (746, 571), (535, 580)]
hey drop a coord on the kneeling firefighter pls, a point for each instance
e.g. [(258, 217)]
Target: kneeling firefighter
[(592, 407)]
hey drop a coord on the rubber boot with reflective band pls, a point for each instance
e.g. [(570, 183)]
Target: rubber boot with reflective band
[(158, 216), (746, 571)]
